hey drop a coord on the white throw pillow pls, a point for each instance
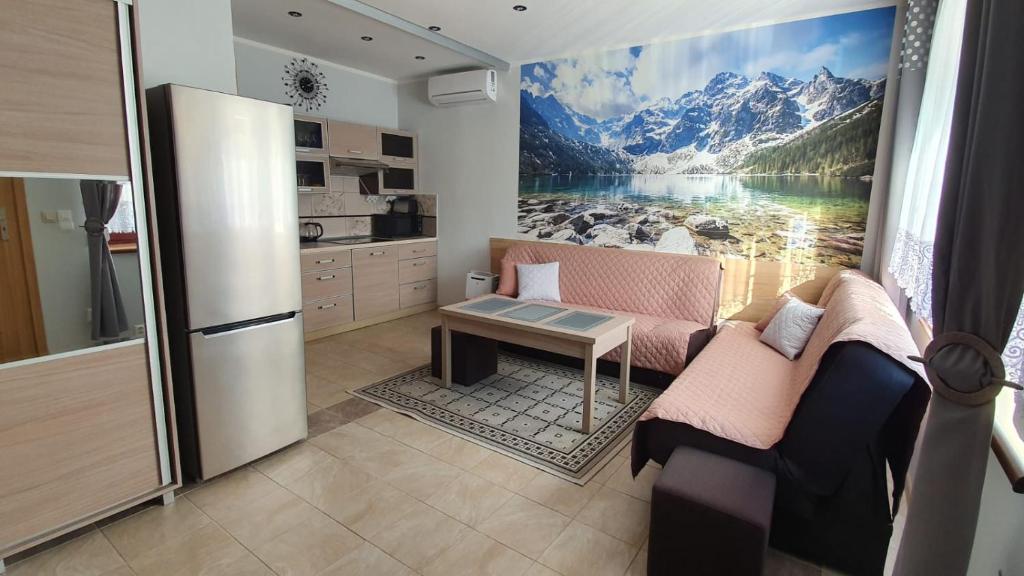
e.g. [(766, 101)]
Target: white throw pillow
[(791, 328), (538, 282)]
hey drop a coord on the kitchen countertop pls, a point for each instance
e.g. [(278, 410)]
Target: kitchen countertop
[(314, 247)]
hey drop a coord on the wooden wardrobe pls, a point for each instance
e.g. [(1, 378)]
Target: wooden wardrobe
[(89, 432)]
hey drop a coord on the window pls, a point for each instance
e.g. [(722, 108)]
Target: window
[(123, 237)]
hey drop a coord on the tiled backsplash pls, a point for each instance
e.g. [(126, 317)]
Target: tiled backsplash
[(345, 212)]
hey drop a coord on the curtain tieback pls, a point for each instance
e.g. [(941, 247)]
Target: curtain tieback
[(94, 226), (990, 380)]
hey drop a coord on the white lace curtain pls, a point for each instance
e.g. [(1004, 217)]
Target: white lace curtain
[(911, 262)]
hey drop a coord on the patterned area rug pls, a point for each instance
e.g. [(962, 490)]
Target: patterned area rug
[(530, 410)]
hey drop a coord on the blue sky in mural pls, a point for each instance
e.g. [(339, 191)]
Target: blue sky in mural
[(605, 84)]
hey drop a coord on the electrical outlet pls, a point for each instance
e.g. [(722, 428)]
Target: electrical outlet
[(48, 216), (139, 331), (88, 315)]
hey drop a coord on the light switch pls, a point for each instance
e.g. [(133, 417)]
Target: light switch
[(64, 220), (48, 216)]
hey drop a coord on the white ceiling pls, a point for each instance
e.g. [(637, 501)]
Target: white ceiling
[(547, 29), (550, 28), (329, 32)]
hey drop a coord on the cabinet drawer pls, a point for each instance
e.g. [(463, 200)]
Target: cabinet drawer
[(375, 281), (352, 140), (325, 260), (417, 250), (417, 269), (418, 293), (326, 284), (327, 313)]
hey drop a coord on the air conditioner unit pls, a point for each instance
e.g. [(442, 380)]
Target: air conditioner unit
[(463, 88)]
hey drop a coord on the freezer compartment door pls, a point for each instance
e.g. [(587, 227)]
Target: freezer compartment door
[(249, 392), (237, 206)]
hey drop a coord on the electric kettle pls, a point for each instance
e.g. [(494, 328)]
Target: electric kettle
[(310, 231)]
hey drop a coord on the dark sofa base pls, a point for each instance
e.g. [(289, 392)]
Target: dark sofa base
[(860, 413)]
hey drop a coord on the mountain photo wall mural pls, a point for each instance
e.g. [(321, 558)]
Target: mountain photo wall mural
[(755, 144)]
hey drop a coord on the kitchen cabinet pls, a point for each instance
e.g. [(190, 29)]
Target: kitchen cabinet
[(312, 261), (325, 284), (326, 289), (352, 140), (310, 135), (417, 293), (375, 279), (312, 173), (355, 286), (398, 147), (417, 274), (327, 313), (417, 270)]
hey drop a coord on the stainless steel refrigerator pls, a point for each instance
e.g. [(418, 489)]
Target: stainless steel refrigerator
[(224, 179)]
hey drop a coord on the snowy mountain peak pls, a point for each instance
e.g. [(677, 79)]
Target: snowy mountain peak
[(714, 127)]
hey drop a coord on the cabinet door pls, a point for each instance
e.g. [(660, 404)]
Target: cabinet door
[(352, 140), (310, 134), (327, 313), (398, 148), (418, 293), (62, 101), (325, 260), (375, 279), (417, 269), (417, 250), (326, 284)]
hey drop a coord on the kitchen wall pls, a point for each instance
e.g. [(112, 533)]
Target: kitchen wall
[(353, 95), (188, 42), (469, 157), (62, 267)]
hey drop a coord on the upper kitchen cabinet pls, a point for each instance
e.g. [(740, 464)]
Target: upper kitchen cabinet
[(310, 134), (62, 105), (352, 140), (397, 147)]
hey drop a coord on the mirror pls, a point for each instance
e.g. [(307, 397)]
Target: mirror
[(47, 289)]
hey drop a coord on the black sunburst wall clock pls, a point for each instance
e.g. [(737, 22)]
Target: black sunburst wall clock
[(305, 84)]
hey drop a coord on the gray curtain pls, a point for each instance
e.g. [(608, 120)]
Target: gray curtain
[(977, 284), (904, 89), (100, 200)]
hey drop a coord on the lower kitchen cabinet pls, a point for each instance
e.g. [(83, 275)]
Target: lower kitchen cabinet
[(344, 288), (375, 279)]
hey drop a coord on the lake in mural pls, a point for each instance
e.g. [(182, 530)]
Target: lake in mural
[(758, 143)]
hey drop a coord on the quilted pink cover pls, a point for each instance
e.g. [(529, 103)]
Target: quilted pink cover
[(741, 389), (658, 343), (651, 283)]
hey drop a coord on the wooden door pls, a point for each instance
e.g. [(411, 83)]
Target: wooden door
[(21, 327)]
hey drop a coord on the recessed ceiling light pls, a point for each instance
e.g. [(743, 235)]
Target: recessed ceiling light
[(421, 57), (519, 8), (367, 38), (434, 28), (295, 14)]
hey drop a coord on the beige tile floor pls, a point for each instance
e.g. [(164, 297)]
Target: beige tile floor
[(372, 492)]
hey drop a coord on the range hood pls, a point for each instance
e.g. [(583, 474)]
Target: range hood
[(355, 166)]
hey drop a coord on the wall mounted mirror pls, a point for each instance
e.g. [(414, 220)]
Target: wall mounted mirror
[(70, 275)]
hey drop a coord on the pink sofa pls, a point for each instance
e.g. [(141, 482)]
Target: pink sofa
[(673, 297)]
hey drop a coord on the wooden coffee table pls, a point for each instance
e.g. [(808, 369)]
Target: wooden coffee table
[(551, 326)]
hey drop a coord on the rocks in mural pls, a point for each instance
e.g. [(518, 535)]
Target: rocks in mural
[(709, 226), (676, 240)]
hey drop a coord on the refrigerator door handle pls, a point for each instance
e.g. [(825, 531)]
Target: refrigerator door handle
[(236, 327)]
